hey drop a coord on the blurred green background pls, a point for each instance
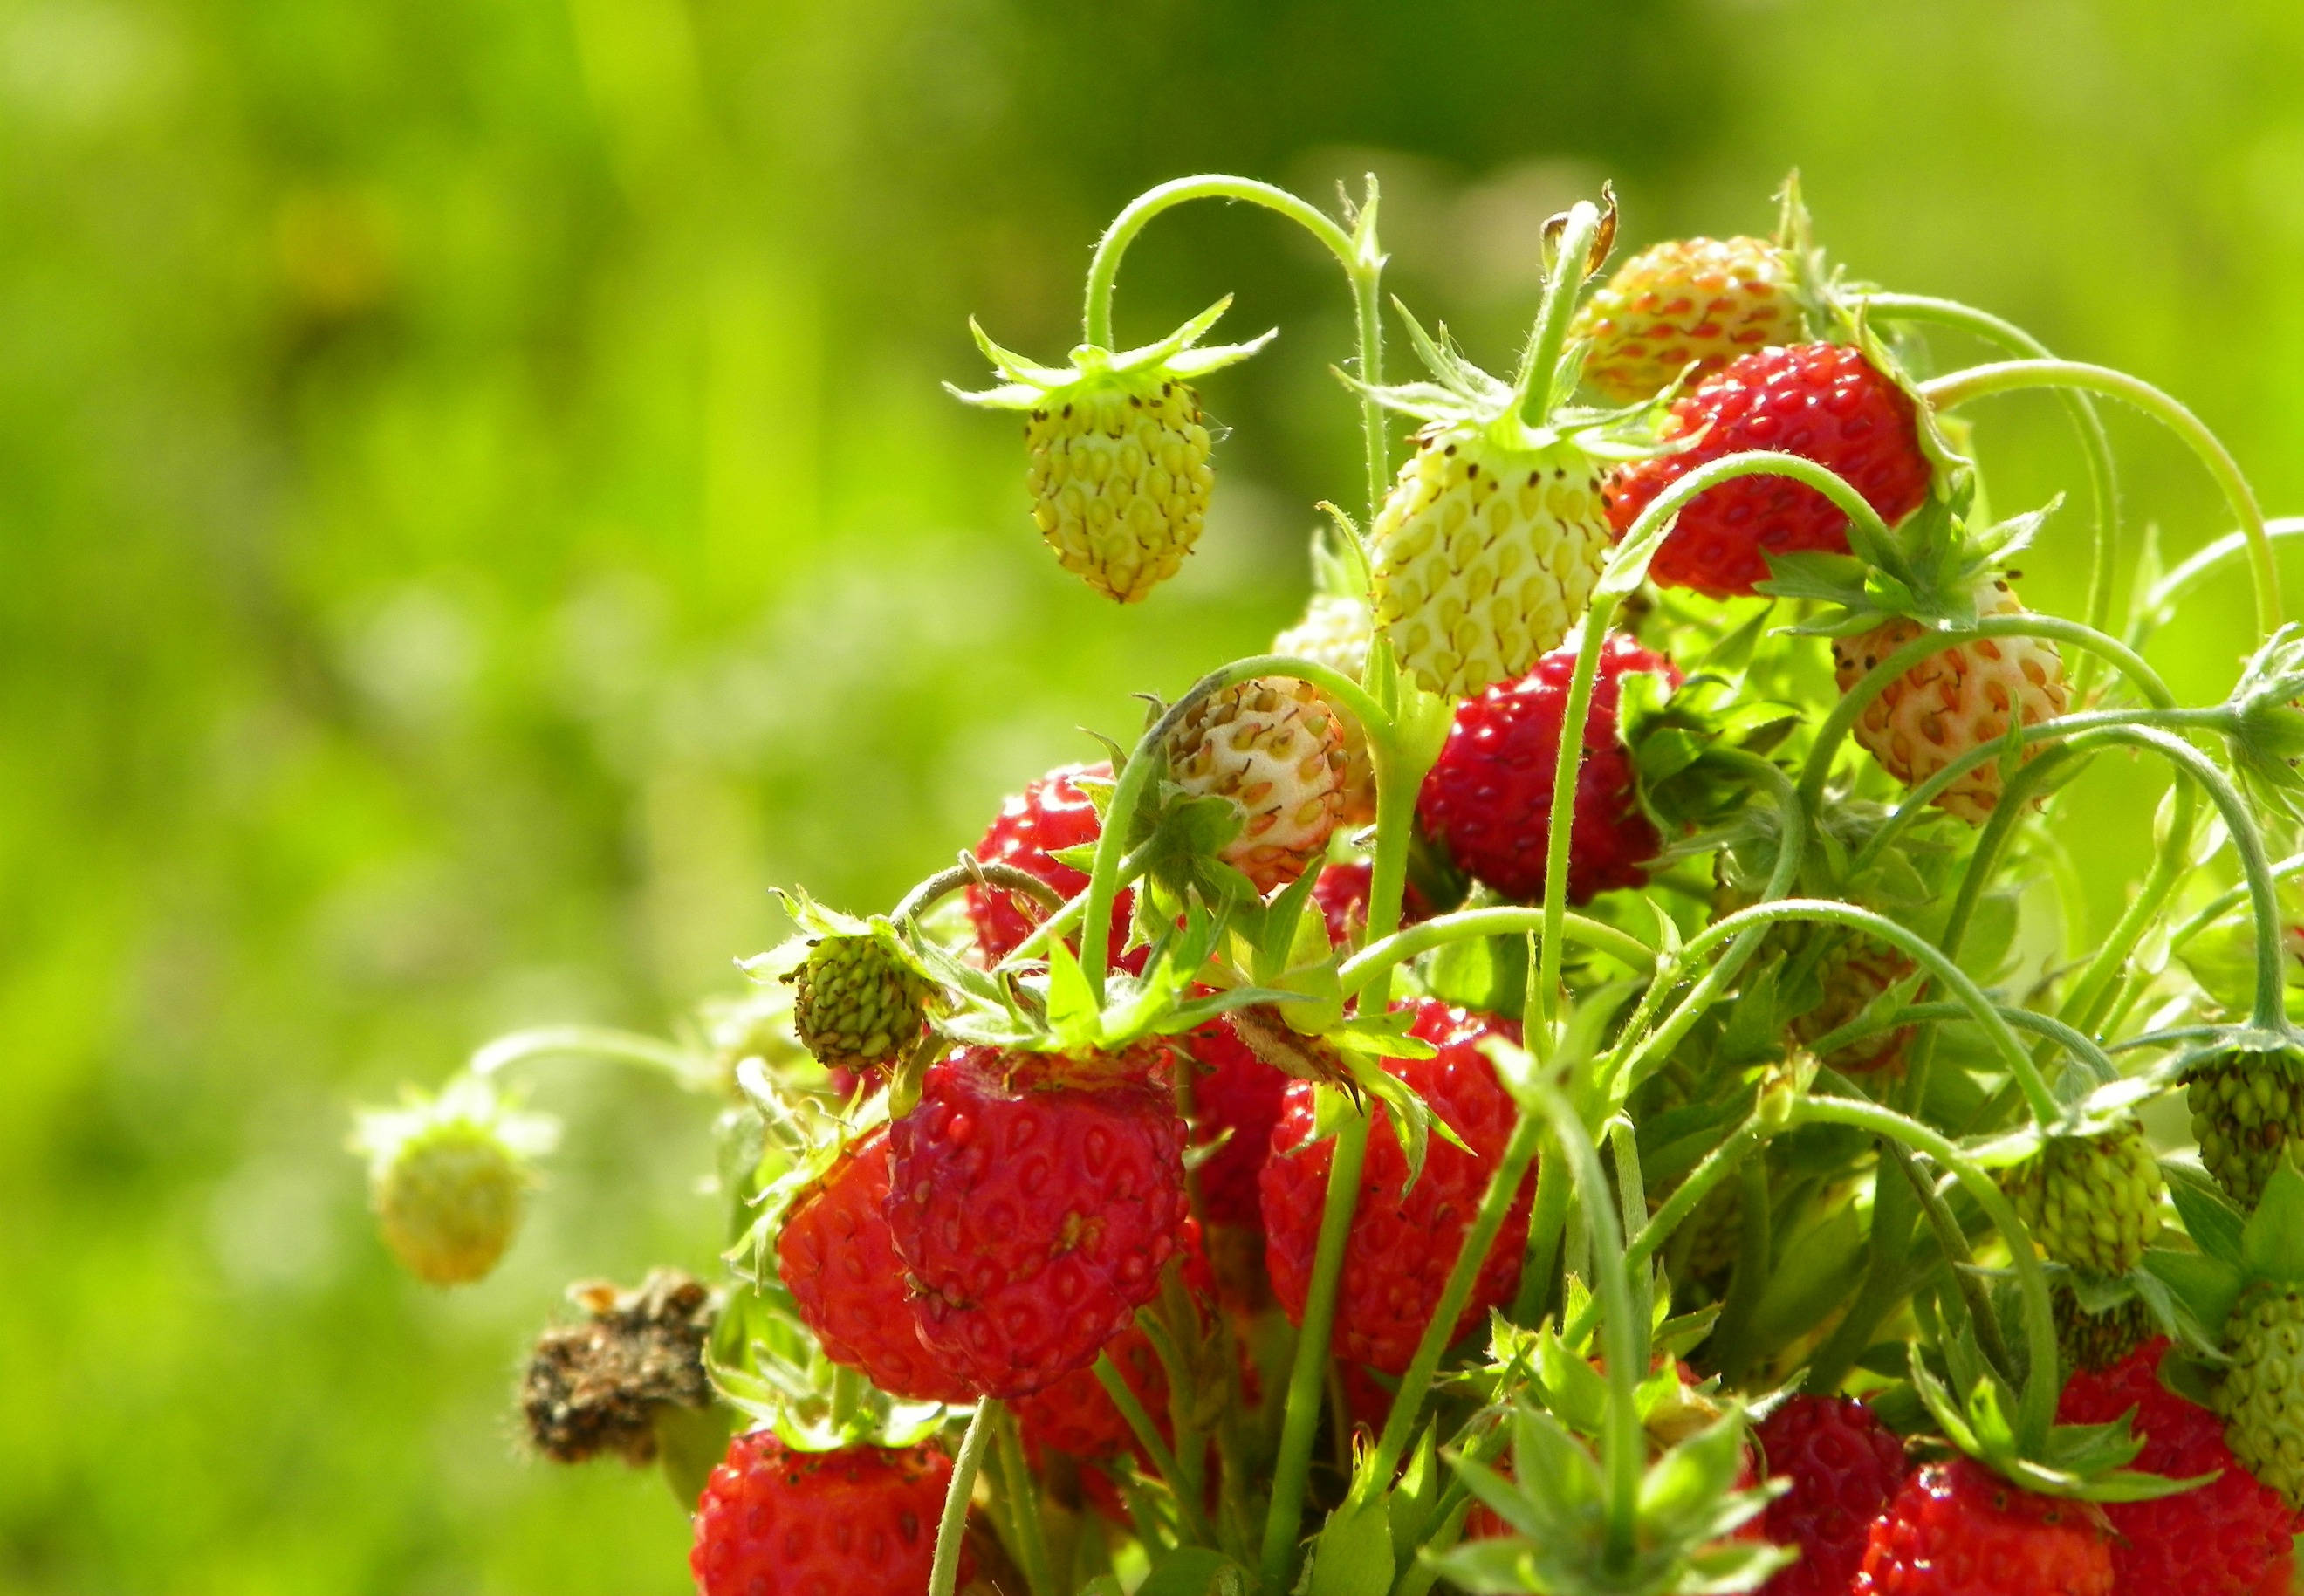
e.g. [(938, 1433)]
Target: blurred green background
[(477, 509)]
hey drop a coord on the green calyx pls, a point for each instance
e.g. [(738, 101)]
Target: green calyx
[(2267, 707), (1935, 568), (448, 1178), (2262, 1398), (1552, 1503), (1462, 398), (1029, 387), (2247, 1111), (2095, 1338), (2092, 1199)]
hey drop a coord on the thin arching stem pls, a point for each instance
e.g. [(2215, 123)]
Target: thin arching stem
[(1355, 251), (951, 1528), (2009, 375)]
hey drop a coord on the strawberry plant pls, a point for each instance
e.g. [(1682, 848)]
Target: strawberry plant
[(1582, 1070)]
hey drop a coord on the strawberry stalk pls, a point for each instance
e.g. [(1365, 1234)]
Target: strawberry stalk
[(2006, 376), (951, 1528), (2095, 444), (1356, 251), (1626, 568), (1572, 264), (2036, 1401), (2159, 605), (1473, 924), (1156, 1446), (685, 1067), (1487, 1220), (1021, 1497)]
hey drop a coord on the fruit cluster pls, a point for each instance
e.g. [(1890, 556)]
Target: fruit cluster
[(1586, 1069)]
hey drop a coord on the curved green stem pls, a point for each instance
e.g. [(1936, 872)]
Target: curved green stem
[(1355, 251), (951, 1528), (1627, 565), (1149, 758), (1500, 920), (970, 872), (1064, 918), (2096, 989), (2161, 599), (2095, 444), (1922, 951), (1836, 725), (1156, 1446), (2225, 901), (2036, 1406), (687, 1069), (2008, 375), (2074, 1040)]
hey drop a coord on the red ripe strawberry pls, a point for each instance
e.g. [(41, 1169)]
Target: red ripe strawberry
[(1049, 815), (1401, 1249), (838, 1259), (1822, 401), (858, 1522), (1034, 1220), (1957, 1529), (1844, 1465), (1341, 893), (2229, 1537), (1233, 1091), (1077, 1414), (1488, 799)]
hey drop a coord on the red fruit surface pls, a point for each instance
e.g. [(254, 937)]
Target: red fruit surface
[(1049, 815), (1233, 1091), (1844, 1465), (1341, 893), (2228, 1538), (1034, 1219), (1076, 1414), (858, 1522), (1488, 799), (1956, 1529), (838, 1259), (1822, 401), (1401, 1249)]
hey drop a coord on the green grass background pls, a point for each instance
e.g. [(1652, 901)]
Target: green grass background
[(477, 509)]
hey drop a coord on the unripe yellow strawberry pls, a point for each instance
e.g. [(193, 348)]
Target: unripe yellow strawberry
[(1952, 702), (1275, 747), (1686, 302), (1119, 475), (1120, 481), (1336, 632), (448, 1178), (1485, 554)]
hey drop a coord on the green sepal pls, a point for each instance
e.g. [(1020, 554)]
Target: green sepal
[(2272, 1242), (2267, 738), (1353, 1553), (1184, 1571), (1029, 385)]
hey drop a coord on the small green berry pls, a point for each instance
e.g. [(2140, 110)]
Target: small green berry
[(448, 1178), (2092, 1202), (857, 1004)]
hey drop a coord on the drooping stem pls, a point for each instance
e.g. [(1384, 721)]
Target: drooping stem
[(969, 872), (2095, 444), (1471, 924), (2037, 1406), (687, 1069), (2054, 1032), (1355, 251), (2161, 601), (2008, 375), (951, 1528)]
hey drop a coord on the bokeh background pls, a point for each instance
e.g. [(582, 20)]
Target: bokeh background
[(477, 508)]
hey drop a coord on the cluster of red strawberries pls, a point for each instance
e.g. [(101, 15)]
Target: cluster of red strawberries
[(1149, 1167)]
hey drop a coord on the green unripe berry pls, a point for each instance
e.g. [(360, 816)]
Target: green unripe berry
[(448, 1180), (2263, 1395), (2247, 1111), (855, 1004), (2092, 1202)]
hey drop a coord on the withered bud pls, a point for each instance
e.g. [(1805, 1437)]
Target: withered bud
[(596, 1386)]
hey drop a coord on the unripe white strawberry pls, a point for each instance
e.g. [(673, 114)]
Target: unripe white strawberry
[(1119, 475), (1275, 747), (1336, 632), (1952, 702), (448, 1178), (1485, 554)]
